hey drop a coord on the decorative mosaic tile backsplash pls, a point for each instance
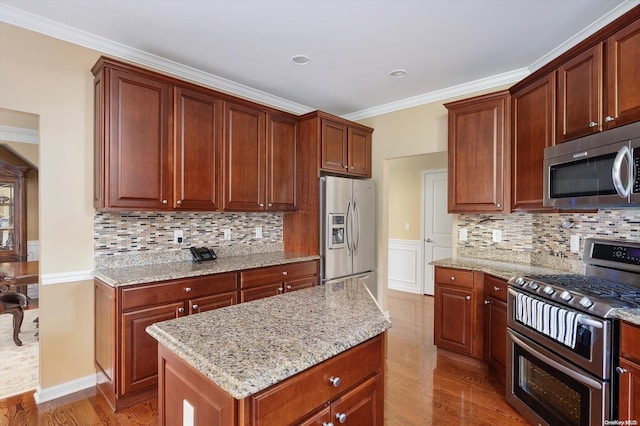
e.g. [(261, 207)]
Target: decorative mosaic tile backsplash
[(544, 239), (124, 239)]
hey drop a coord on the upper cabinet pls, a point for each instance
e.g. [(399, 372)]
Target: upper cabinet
[(532, 115), (164, 144), (479, 154), (599, 88), (345, 149), (13, 213)]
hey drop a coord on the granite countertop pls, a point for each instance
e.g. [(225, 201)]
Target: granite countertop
[(248, 347), (506, 270), (130, 275)]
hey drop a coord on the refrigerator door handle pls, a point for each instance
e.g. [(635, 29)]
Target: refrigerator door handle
[(347, 223), (356, 217)]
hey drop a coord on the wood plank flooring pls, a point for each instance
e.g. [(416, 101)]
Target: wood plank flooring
[(424, 386)]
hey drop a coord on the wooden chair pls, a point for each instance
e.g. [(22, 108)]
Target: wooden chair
[(14, 303)]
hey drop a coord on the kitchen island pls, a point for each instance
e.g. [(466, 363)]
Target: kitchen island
[(315, 355)]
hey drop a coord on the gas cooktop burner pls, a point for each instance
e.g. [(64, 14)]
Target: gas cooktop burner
[(591, 286)]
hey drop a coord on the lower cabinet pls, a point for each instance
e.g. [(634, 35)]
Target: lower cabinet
[(495, 326), (126, 357), (458, 312), (273, 280), (629, 373), (346, 389)]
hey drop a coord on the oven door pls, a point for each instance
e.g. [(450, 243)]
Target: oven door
[(547, 389)]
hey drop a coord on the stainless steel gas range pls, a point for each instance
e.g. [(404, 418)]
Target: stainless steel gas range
[(562, 336)]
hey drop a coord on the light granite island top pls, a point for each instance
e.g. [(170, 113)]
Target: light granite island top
[(141, 274), (249, 347)]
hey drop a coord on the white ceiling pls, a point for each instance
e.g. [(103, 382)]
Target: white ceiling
[(244, 47)]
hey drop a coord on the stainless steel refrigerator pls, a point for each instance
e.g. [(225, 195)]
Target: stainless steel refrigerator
[(347, 230)]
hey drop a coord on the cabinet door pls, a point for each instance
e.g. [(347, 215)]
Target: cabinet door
[(495, 334), (359, 152), (361, 406), (209, 303), (479, 154), (261, 292), (453, 321), (623, 84), (244, 158), (281, 170), (198, 138), (139, 148), (139, 349), (533, 131), (579, 95), (333, 155), (629, 402)]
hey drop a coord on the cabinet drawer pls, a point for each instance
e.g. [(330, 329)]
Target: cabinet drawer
[(630, 342), (455, 277), (495, 287), (302, 394), (169, 291), (274, 274)]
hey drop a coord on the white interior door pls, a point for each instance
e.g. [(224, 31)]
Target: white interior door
[(437, 223)]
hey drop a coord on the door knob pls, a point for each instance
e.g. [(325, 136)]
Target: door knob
[(429, 240)]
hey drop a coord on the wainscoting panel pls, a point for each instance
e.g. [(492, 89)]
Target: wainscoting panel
[(405, 272)]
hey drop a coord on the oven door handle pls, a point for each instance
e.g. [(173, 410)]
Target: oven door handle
[(593, 384), (590, 322)]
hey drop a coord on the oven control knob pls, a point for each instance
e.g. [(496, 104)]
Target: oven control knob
[(534, 285), (549, 290), (565, 295), (520, 281), (586, 302)]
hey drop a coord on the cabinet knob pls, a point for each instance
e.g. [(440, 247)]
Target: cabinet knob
[(195, 307), (498, 205), (486, 302), (341, 417), (285, 273), (179, 202), (289, 287), (453, 278), (327, 424), (346, 167), (467, 297), (593, 124), (496, 288), (280, 289), (335, 381), (351, 167), (269, 205), (621, 370), (608, 119), (164, 201), (181, 310), (261, 204), (188, 289)]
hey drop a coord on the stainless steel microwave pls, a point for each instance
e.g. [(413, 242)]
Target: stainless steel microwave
[(596, 171)]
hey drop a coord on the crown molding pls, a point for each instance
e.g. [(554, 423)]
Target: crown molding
[(14, 16), (19, 134), (439, 95)]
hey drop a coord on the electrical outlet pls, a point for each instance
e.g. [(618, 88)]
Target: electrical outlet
[(462, 234), (227, 234), (258, 231), (407, 226), (575, 243), (178, 236), (497, 236)]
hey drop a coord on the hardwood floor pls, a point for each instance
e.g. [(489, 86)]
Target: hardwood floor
[(424, 386)]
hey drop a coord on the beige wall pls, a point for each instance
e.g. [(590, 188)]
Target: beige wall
[(52, 79), (405, 192)]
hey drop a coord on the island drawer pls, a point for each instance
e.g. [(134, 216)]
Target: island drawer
[(495, 287), (303, 393), (456, 277), (280, 273), (630, 342), (182, 289)]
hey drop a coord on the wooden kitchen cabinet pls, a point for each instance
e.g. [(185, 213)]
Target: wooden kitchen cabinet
[(13, 212), (345, 149), (479, 154), (599, 88), (260, 160), (629, 372), (274, 280), (458, 325), (533, 130), (495, 326), (126, 356)]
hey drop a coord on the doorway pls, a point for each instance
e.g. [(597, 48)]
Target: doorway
[(437, 224)]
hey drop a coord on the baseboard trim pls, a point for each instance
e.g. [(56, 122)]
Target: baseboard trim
[(64, 389)]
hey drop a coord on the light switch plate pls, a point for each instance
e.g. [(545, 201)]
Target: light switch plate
[(258, 231), (497, 236), (462, 234), (227, 234), (575, 243)]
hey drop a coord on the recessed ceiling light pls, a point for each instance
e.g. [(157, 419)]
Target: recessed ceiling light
[(399, 73), (300, 59)]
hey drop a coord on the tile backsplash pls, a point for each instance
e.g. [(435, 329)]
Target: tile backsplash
[(132, 238), (544, 239)]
